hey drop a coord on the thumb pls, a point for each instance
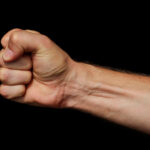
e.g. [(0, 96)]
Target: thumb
[(21, 42)]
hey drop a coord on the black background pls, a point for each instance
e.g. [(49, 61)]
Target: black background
[(113, 35)]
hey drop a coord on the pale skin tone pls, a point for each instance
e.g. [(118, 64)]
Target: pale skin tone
[(38, 72)]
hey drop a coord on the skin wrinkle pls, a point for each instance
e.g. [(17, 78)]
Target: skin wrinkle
[(55, 73), (59, 81)]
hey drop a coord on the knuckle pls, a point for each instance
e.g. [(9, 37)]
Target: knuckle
[(32, 31), (5, 38), (15, 36), (4, 75), (4, 92), (16, 29), (44, 37), (45, 40), (2, 41)]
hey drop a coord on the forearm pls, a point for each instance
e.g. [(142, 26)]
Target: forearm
[(119, 97)]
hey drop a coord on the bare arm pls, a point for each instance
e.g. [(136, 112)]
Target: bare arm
[(119, 97), (34, 70)]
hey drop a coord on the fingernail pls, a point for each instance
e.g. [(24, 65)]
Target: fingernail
[(7, 54)]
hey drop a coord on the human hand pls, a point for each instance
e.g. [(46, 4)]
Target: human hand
[(35, 71)]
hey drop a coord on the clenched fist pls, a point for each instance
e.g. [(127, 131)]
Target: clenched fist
[(33, 69)]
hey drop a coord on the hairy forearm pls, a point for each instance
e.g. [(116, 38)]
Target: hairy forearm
[(119, 97)]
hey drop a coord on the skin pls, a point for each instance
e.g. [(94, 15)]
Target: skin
[(36, 71)]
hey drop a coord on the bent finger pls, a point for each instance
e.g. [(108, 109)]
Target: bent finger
[(23, 63), (14, 77), (10, 92), (5, 38)]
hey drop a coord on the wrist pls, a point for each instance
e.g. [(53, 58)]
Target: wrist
[(78, 85)]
